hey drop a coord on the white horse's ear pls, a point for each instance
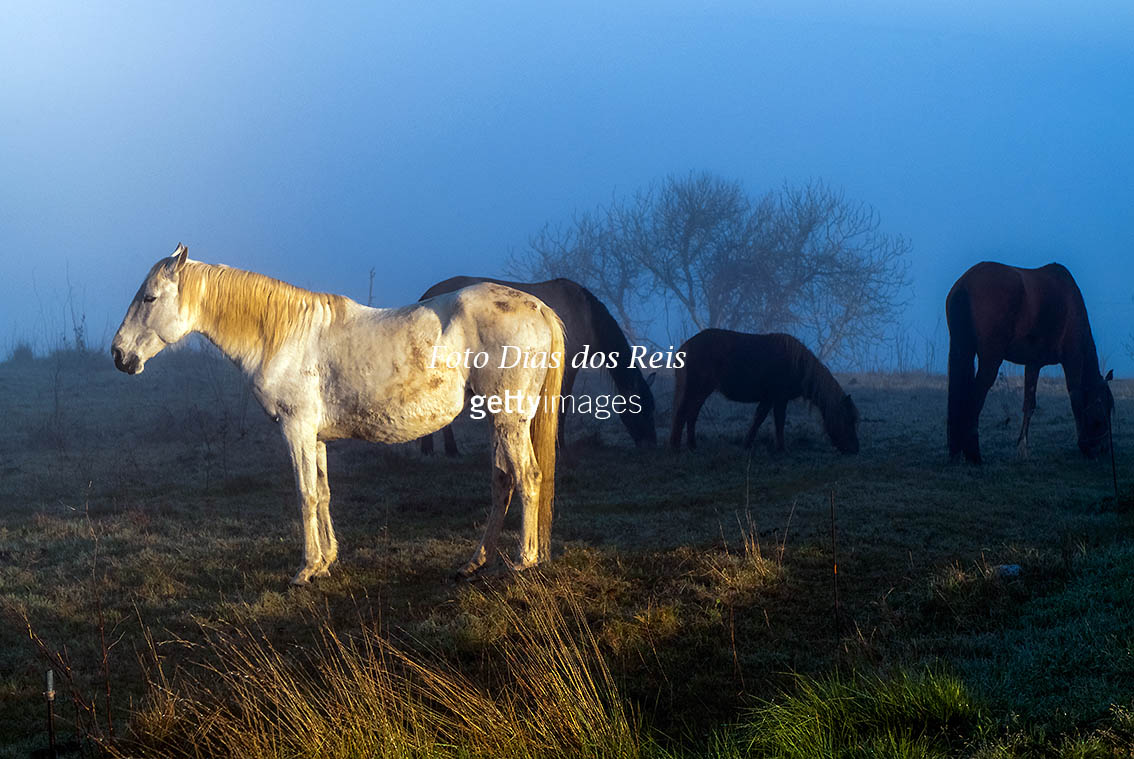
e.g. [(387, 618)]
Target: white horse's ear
[(175, 263), (650, 379)]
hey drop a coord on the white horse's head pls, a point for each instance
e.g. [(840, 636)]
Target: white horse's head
[(154, 318)]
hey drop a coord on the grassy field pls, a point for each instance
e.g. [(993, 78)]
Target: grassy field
[(690, 609)]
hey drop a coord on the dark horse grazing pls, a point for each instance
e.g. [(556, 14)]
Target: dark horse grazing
[(586, 321), (766, 369), (1033, 317)]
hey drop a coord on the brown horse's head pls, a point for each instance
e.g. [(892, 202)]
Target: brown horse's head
[(641, 425), (842, 426), (1093, 419)]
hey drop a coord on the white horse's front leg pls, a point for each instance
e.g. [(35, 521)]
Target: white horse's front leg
[(303, 447), (327, 542)]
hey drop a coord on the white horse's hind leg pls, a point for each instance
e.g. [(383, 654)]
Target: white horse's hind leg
[(502, 485), (515, 447), (515, 470), (303, 447), (327, 541)]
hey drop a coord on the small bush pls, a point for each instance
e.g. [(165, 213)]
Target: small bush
[(21, 353)]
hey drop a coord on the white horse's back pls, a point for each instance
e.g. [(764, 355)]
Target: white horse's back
[(392, 375)]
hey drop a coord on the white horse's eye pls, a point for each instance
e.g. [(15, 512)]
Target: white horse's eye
[(149, 298)]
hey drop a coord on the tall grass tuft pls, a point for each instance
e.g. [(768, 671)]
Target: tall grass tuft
[(363, 696), (737, 576), (905, 715)]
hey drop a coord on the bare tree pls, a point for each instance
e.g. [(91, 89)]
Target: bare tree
[(802, 260)]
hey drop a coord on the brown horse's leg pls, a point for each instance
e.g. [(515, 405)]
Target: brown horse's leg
[(960, 395), (962, 351), (676, 427), (694, 410), (982, 383), (761, 414), (1031, 378), (680, 409), (450, 441), (569, 375), (779, 413), (427, 445)]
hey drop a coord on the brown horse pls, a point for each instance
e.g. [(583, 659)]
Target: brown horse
[(586, 321), (1033, 317), (766, 369)]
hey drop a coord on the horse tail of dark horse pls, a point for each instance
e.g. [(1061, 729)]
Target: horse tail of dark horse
[(962, 349), (545, 432)]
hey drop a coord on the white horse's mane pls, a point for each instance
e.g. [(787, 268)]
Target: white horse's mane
[(246, 313)]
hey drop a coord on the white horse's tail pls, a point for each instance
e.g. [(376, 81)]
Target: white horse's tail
[(544, 432)]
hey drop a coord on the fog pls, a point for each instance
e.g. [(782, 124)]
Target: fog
[(425, 140)]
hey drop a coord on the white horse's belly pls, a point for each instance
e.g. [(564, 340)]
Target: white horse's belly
[(402, 414)]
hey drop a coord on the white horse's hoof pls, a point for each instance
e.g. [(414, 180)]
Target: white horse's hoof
[(521, 564), (467, 572), (303, 577)]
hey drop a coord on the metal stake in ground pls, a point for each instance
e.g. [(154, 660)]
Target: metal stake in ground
[(50, 695), (1110, 432), (835, 567)]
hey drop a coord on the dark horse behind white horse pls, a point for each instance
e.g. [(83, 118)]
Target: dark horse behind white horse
[(1033, 317), (325, 368), (768, 370), (586, 321)]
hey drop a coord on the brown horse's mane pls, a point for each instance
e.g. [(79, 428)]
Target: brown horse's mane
[(610, 337), (820, 388)]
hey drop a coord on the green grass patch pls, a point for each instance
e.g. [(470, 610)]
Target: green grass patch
[(902, 716)]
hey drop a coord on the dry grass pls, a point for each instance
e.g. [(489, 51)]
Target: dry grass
[(364, 696)]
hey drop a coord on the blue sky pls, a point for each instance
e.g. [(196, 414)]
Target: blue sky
[(432, 139)]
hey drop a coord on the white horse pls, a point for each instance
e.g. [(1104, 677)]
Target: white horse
[(325, 367)]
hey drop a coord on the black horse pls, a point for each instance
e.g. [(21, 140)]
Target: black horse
[(586, 321), (1033, 317), (766, 369)]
